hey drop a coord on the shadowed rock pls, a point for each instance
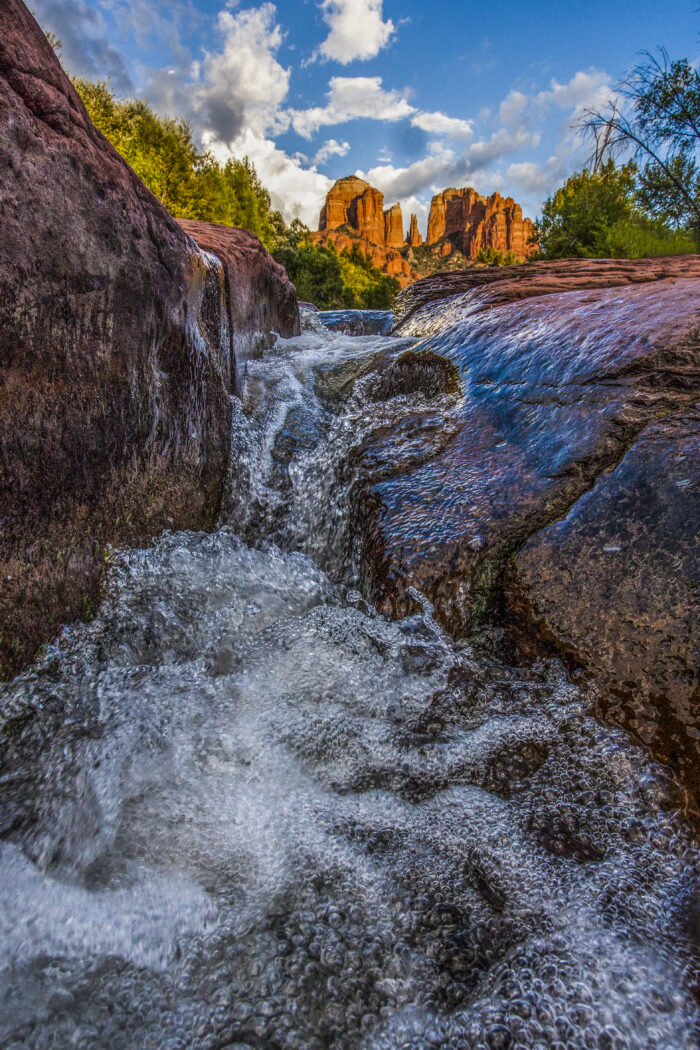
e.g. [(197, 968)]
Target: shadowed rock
[(115, 354), (261, 298)]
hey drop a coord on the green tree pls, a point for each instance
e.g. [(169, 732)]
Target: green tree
[(190, 183), (577, 219)]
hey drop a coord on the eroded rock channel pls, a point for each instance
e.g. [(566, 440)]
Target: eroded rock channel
[(243, 808)]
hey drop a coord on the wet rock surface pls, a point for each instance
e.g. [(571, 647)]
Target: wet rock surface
[(261, 298), (114, 353), (616, 583), (504, 284), (561, 394), (358, 322)]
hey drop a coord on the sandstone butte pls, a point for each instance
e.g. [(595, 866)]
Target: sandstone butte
[(460, 220)]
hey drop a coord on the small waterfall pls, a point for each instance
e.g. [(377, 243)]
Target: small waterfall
[(241, 809)]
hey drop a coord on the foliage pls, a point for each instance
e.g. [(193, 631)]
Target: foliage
[(193, 185), (330, 280), (659, 195), (610, 213), (576, 220), (655, 116), (493, 257), (190, 183)]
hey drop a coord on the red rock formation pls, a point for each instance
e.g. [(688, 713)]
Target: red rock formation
[(413, 237), (393, 227), (338, 201), (352, 202), (115, 357), (459, 220), (472, 222), (353, 213)]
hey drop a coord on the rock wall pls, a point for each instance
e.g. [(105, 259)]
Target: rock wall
[(460, 221), (115, 353), (471, 223)]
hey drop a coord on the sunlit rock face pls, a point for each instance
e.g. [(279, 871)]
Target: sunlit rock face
[(393, 227), (461, 221), (472, 223), (414, 238), (353, 214)]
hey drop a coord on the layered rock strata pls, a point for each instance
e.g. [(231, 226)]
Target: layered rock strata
[(555, 503), (505, 284), (353, 213), (461, 221), (472, 223), (115, 352)]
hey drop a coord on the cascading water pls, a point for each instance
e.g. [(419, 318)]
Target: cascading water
[(242, 810)]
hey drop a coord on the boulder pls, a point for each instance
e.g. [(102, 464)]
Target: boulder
[(261, 299), (548, 506), (115, 353), (615, 584)]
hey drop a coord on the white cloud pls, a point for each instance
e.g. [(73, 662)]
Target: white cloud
[(530, 177), (440, 124), (331, 148), (350, 98), (357, 30), (442, 168), (237, 87), (244, 83), (584, 89)]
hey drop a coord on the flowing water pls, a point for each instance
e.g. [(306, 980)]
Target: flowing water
[(240, 809)]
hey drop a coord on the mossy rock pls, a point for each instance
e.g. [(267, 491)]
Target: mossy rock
[(419, 372)]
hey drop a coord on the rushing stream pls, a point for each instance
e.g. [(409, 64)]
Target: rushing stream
[(240, 809)]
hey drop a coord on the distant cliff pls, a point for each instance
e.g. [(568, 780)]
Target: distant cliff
[(461, 224)]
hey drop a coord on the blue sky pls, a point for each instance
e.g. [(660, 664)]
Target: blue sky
[(413, 96)]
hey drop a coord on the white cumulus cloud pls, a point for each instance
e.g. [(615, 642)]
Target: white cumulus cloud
[(331, 148), (357, 30), (297, 191), (441, 124), (349, 98)]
